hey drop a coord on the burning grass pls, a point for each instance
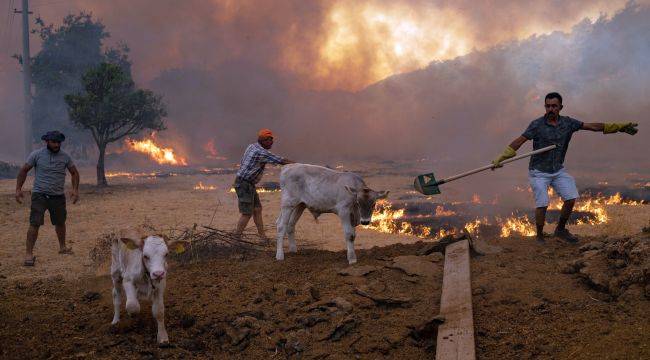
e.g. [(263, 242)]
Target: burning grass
[(434, 221)]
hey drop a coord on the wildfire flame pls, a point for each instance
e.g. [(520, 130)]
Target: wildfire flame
[(386, 219), (130, 175), (441, 211), (520, 225), (211, 149), (259, 190), (200, 186), (161, 155)]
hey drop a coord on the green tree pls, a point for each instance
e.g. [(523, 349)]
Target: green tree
[(67, 52), (111, 107)]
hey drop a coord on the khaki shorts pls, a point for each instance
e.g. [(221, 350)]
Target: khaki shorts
[(55, 204), (247, 196)]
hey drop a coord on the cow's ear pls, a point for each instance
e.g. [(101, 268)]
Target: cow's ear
[(178, 246), (382, 194), (351, 190), (164, 237), (131, 238), (132, 244)]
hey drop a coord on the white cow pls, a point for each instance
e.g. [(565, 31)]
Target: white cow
[(139, 267), (322, 190)]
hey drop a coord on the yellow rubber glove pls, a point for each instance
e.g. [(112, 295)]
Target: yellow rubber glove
[(629, 128), (507, 154)]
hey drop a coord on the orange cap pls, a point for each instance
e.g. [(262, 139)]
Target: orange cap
[(264, 133)]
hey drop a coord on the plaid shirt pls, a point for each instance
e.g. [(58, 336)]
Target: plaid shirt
[(252, 163)]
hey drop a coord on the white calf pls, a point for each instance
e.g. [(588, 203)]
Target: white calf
[(322, 190), (138, 266)]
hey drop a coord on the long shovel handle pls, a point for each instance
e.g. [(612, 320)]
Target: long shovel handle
[(486, 167)]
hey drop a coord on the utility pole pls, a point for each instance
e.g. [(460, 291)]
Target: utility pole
[(27, 78)]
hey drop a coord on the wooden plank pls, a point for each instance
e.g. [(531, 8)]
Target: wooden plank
[(456, 334)]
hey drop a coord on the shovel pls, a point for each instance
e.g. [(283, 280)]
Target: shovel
[(427, 184)]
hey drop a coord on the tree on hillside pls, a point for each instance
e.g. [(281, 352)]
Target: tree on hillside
[(67, 52), (111, 107)]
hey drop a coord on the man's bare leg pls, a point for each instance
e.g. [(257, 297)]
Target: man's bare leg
[(567, 209), (561, 231), (32, 235), (540, 219), (241, 224), (257, 219), (60, 235)]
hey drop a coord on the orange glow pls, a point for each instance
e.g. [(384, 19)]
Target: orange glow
[(441, 211), (211, 149), (520, 225), (259, 190), (382, 39), (200, 186), (161, 155)]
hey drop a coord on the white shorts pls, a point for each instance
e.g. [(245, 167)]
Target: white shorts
[(563, 184)]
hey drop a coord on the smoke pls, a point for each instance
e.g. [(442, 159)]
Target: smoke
[(468, 77)]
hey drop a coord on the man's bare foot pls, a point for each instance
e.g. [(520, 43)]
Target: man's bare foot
[(66, 251)]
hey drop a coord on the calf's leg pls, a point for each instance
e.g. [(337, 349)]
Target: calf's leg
[(117, 297), (350, 234), (158, 311), (283, 220), (132, 304), (291, 227)]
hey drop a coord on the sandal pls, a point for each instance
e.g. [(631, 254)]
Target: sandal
[(67, 251), (30, 262)]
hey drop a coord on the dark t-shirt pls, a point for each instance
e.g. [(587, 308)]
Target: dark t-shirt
[(543, 134)]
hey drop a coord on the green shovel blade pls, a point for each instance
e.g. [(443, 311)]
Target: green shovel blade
[(426, 184)]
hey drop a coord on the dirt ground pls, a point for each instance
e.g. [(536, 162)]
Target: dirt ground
[(231, 305)]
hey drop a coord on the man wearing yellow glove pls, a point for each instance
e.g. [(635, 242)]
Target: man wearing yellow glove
[(546, 169)]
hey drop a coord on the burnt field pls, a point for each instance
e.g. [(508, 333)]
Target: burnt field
[(233, 305), (530, 301)]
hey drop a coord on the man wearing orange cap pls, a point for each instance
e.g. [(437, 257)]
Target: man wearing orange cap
[(250, 172)]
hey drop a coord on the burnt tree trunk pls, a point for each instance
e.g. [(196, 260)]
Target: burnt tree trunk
[(101, 174)]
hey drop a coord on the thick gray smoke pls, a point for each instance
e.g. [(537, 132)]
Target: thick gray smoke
[(466, 109), (226, 76)]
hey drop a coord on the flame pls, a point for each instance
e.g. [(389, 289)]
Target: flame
[(520, 225), (382, 40), (441, 211), (211, 149), (161, 155), (386, 219), (130, 175), (259, 190), (200, 186)]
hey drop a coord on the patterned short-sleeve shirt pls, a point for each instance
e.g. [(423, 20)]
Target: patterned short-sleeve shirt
[(253, 162), (543, 134)]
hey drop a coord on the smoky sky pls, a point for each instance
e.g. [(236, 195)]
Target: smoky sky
[(228, 68)]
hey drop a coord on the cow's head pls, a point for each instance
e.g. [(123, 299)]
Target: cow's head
[(154, 251), (365, 203)]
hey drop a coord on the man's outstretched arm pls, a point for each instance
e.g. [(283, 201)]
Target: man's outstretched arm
[(510, 151), (610, 128)]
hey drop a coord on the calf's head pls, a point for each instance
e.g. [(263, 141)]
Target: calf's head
[(364, 205), (154, 250)]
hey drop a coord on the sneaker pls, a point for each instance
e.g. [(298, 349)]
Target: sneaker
[(565, 235)]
